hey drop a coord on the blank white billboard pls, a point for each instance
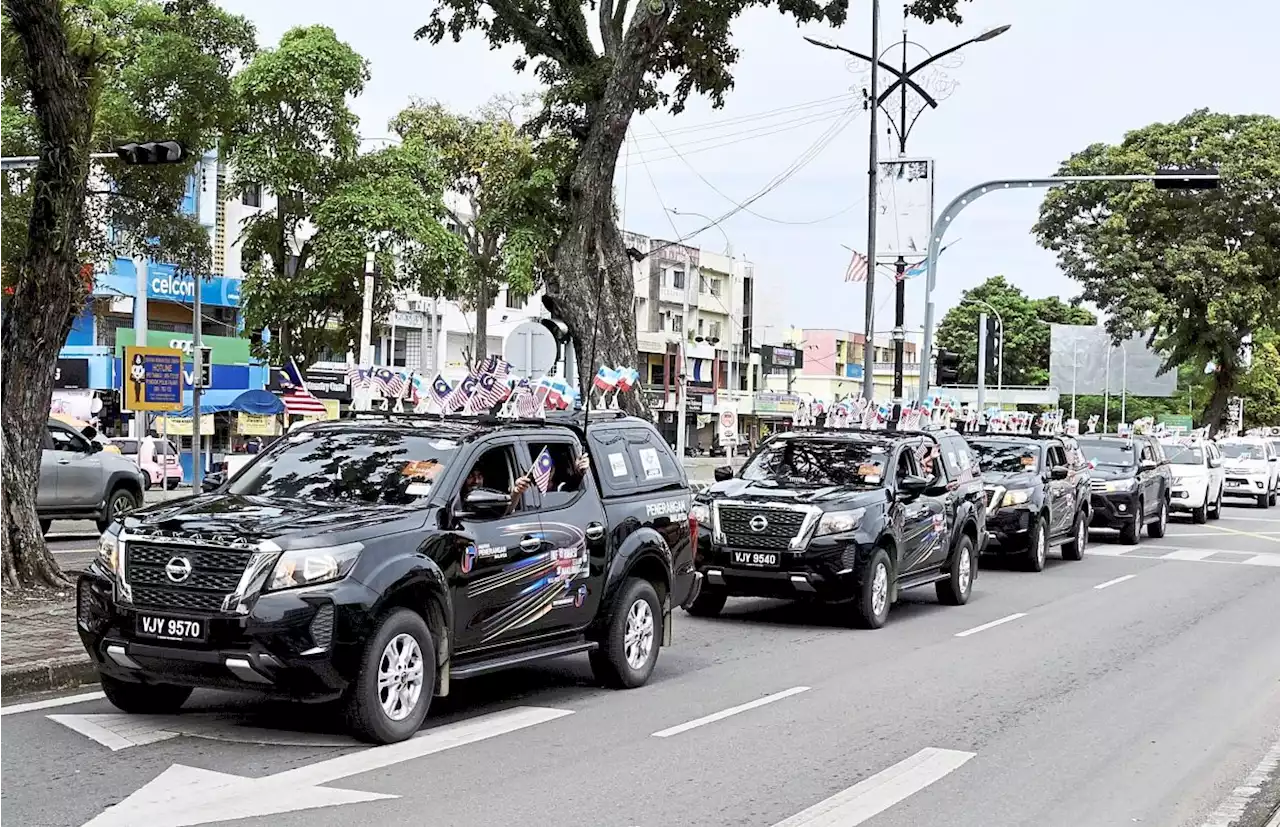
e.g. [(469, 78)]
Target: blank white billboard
[(1082, 359)]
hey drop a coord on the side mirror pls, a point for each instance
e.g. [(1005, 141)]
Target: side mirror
[(724, 472), (909, 488), (1059, 472), (95, 446), (212, 482), (484, 501)]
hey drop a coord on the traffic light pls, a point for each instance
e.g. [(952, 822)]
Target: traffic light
[(202, 375), (152, 152), (1176, 179), (948, 368), (993, 334)]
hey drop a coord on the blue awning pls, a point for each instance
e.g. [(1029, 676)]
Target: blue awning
[(219, 400)]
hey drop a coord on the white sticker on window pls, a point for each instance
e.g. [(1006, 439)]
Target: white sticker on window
[(649, 461), (618, 465), (418, 489)]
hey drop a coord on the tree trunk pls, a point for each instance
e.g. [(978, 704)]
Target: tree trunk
[(481, 347), (592, 283), (48, 289), (1215, 413)]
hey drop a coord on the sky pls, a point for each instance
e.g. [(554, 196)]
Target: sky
[(1064, 76)]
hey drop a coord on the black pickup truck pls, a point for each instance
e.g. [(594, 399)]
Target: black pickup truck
[(847, 516), (377, 562)]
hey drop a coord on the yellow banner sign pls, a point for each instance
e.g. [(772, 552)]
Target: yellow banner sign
[(152, 379), (181, 425), (257, 424)]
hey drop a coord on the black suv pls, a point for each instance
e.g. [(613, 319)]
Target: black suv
[(1131, 484), (1037, 496), (378, 561), (846, 516)]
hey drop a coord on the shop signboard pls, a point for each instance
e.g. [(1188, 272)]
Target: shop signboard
[(780, 358), (784, 404), (227, 350), (249, 424), (322, 382), (152, 379), (71, 373), (181, 425)]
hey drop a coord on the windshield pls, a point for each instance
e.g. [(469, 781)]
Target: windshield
[(386, 467), (1004, 457), (819, 462), (1114, 454), (1242, 450), (1185, 455)]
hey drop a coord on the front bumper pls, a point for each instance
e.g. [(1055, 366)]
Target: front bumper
[(1246, 485), (1113, 510), (1008, 528), (828, 569), (300, 643), (1187, 495)]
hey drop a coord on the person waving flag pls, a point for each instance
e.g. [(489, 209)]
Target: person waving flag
[(541, 471)]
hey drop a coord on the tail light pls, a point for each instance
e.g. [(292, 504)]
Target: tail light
[(693, 526)]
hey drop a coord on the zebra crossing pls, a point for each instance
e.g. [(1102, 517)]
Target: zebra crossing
[(1152, 551)]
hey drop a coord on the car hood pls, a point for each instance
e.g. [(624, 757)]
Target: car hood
[(1252, 466), (1189, 471), (1010, 479), (828, 498), (285, 521), (1108, 472)]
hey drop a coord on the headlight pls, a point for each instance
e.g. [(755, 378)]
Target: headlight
[(109, 549), (838, 522), (309, 566), (1118, 486), (701, 513), (1016, 496)]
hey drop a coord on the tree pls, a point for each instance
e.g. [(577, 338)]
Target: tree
[(1026, 323), (1260, 385), (84, 77), (592, 94), (1200, 270), (305, 257), (509, 218)]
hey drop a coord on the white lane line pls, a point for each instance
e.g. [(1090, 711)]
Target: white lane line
[(87, 726), (50, 703), (869, 798), (1234, 805), (731, 711), (1110, 583), (991, 625)]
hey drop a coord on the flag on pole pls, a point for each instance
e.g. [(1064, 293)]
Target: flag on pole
[(298, 401), (606, 379), (857, 270), (458, 396), (488, 392), (541, 471), (440, 389)]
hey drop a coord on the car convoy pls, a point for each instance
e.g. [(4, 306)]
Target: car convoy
[(376, 562)]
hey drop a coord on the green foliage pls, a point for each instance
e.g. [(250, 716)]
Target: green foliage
[(509, 218), (165, 72), (1260, 386), (298, 137), (1026, 321), (1201, 269)]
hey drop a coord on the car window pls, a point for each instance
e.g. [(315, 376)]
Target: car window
[(565, 482), (1112, 453), (496, 470), (128, 447), (1186, 455), (65, 440), (955, 457), (819, 462), (633, 459), (1003, 456), (1147, 454), (380, 466), (906, 466), (1057, 457), (1241, 450), (929, 460)]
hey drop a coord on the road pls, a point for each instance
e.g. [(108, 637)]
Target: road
[(1136, 687)]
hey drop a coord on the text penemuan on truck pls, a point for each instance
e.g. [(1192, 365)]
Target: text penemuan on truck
[(377, 562)]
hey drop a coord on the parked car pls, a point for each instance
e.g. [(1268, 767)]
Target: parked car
[(847, 516), (1037, 498), (1198, 479), (157, 459), (379, 563), (81, 481), (1253, 469), (1130, 486)]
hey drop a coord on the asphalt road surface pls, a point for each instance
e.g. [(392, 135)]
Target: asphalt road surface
[(1140, 686)]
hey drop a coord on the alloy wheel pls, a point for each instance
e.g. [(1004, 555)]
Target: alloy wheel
[(879, 589), (400, 677), (637, 641)]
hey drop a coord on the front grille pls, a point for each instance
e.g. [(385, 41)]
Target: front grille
[(782, 526), (215, 573), (1237, 480), (1098, 485)]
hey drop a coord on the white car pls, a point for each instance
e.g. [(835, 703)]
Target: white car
[(1198, 479), (1252, 468)]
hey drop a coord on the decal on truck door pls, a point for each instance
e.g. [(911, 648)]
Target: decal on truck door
[(538, 583)]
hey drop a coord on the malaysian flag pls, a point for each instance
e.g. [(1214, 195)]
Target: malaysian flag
[(298, 401), (488, 392), (541, 471), (460, 394), (389, 382), (526, 404), (496, 365), (857, 270), (440, 389), (357, 377)]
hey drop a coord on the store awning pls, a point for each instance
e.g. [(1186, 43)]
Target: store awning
[(249, 401)]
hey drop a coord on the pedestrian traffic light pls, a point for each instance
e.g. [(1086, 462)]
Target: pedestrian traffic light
[(993, 334), (1177, 179), (948, 368), (202, 375), (152, 152)]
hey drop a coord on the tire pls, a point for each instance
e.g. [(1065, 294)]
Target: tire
[(401, 650), (708, 603), (119, 502), (1074, 549), (1037, 546), (44, 526), (629, 651), (144, 698), (1200, 515), (1264, 501), (1132, 531), (955, 590), (875, 590), (1272, 499), (1216, 512), (146, 483), (1156, 530)]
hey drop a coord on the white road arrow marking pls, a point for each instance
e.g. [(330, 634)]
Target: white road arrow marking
[(119, 730), (182, 796)]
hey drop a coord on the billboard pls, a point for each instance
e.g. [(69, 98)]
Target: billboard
[(786, 358), (904, 217), (152, 379), (1083, 359)]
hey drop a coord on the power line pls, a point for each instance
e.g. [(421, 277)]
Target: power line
[(765, 115), (718, 141)]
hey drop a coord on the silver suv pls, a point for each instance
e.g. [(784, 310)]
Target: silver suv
[(80, 481)]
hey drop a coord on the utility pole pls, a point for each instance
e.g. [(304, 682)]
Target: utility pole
[(682, 375), (899, 331), (869, 352), (138, 425), (197, 443), (982, 362)]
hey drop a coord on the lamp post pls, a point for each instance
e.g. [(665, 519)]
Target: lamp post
[(1000, 348), (904, 78)]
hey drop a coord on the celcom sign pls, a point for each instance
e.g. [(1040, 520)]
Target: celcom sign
[(173, 285)]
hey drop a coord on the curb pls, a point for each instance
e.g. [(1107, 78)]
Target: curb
[(44, 675)]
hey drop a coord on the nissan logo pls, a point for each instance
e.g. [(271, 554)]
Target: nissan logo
[(177, 569), (758, 523)]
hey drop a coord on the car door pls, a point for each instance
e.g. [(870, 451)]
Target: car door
[(498, 582), (47, 490), (1061, 492), (924, 522), (1150, 481), (573, 524), (80, 473)]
